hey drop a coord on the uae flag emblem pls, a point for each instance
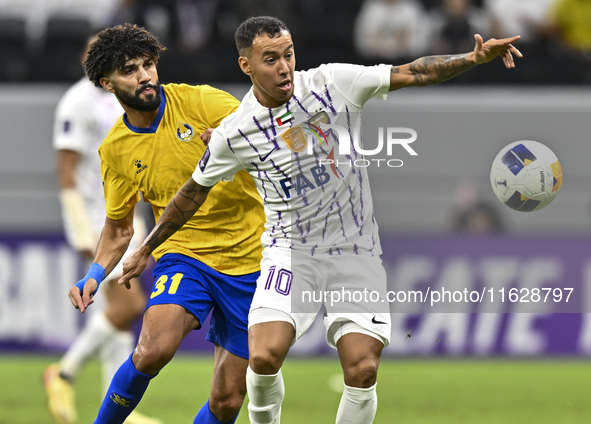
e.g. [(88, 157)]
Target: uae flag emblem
[(284, 119)]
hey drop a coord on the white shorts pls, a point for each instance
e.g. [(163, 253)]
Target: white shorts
[(350, 288)]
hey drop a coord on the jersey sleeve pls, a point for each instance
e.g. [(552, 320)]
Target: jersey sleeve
[(219, 162), (120, 195), (217, 104), (359, 83), (73, 129)]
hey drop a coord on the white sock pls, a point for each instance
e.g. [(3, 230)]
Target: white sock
[(358, 406), (97, 329), (265, 394), (113, 352)]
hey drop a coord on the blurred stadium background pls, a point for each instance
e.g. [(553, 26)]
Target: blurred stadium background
[(441, 225)]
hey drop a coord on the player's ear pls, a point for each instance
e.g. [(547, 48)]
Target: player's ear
[(244, 65), (106, 83)]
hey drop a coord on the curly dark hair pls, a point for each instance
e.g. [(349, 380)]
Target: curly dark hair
[(255, 26), (117, 45)]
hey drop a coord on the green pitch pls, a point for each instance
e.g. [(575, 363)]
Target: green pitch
[(410, 391)]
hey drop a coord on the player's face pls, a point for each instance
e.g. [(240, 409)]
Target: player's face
[(136, 84), (270, 65)]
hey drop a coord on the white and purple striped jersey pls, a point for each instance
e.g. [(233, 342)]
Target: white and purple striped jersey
[(302, 158)]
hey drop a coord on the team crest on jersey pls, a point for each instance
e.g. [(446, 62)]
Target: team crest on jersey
[(295, 137), (184, 132), (319, 118)]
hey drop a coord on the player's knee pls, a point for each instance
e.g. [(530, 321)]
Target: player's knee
[(266, 361), (150, 358), (226, 405), (362, 373)]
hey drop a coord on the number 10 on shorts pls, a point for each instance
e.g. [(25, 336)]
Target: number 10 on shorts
[(160, 285), (282, 283)]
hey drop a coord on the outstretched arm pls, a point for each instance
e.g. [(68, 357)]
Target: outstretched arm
[(183, 206), (434, 69)]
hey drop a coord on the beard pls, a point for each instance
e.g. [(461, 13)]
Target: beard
[(134, 101)]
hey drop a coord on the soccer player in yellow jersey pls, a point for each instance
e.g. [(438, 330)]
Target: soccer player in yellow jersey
[(212, 262)]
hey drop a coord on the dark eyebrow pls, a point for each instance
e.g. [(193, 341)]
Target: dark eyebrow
[(273, 52)]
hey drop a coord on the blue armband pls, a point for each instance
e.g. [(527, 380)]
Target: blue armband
[(95, 272)]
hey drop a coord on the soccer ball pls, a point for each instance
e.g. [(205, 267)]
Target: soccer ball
[(526, 176)]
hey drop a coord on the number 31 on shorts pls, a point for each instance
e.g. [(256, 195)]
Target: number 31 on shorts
[(160, 285)]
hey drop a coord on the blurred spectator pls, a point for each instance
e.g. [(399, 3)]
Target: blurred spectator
[(432, 4), (186, 24), (98, 12), (544, 61), (233, 12), (480, 219), (570, 25), (527, 18), (34, 12), (326, 32), (474, 217), (454, 26), (391, 29), (572, 20)]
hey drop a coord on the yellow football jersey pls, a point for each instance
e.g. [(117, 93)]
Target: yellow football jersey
[(225, 233)]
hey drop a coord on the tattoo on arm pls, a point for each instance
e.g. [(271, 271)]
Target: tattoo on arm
[(183, 206), (433, 69), (161, 233)]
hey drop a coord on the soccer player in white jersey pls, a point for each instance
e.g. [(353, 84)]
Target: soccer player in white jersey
[(84, 116), (320, 232)]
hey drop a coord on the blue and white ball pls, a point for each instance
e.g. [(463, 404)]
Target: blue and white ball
[(526, 176)]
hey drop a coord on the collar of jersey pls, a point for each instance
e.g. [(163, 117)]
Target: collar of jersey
[(154, 127)]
